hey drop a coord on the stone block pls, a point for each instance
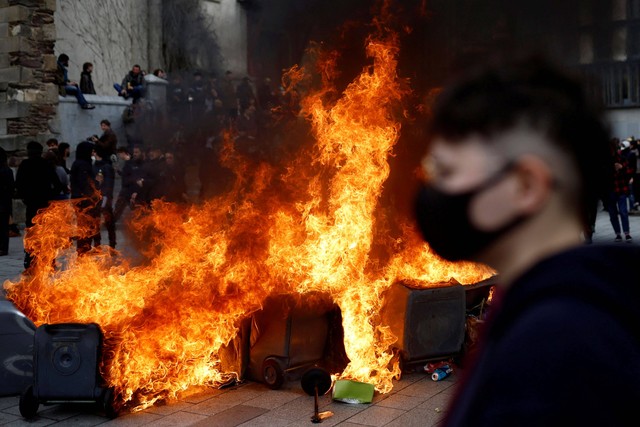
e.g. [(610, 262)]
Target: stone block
[(49, 94), (16, 74), (4, 30), (15, 44), (10, 74), (48, 32), (50, 62), (49, 5), (15, 13), (3, 127), (4, 60), (14, 109)]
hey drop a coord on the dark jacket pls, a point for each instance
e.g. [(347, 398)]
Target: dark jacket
[(7, 188), (86, 83), (132, 171), (37, 181), (108, 142), (61, 79), (562, 348), (132, 80), (108, 182), (82, 178)]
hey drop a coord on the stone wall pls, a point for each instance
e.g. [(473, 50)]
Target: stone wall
[(28, 96)]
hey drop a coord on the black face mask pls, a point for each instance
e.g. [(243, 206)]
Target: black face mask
[(443, 219)]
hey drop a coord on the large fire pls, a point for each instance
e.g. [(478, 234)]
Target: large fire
[(310, 225)]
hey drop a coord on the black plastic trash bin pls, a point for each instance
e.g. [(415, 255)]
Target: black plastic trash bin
[(66, 357)]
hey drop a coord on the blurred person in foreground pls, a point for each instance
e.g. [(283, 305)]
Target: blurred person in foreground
[(517, 155)]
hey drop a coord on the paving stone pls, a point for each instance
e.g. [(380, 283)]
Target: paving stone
[(178, 419), (274, 398), (133, 420), (401, 401), (268, 420), (376, 416), (7, 402), (295, 409), (6, 418), (36, 422), (232, 417), (170, 408), (426, 388), (418, 417)]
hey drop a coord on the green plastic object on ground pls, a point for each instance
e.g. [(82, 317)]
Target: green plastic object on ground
[(349, 391)]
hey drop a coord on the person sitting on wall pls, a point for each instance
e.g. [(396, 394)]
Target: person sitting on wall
[(132, 85), (86, 82), (65, 86)]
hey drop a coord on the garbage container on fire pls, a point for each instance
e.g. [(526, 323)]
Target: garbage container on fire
[(286, 336), (16, 350), (66, 357)]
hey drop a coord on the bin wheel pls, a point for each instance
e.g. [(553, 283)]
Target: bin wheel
[(107, 403), (28, 404), (272, 373)]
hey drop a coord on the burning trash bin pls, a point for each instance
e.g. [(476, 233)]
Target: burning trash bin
[(66, 359), (288, 335), (429, 322), (16, 350)]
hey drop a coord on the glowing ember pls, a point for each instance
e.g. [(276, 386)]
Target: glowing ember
[(305, 226)]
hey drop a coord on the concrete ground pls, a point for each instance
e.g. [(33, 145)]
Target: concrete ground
[(415, 400)]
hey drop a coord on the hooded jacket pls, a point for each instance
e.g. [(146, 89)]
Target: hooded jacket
[(561, 348), (36, 179), (82, 178)]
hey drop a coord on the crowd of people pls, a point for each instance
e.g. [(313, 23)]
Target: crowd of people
[(201, 112)]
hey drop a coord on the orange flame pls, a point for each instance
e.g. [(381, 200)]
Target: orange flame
[(305, 226)]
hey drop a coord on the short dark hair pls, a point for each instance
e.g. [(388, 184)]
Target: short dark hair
[(499, 96), (136, 66), (86, 65), (63, 57), (51, 141), (122, 149), (105, 122)]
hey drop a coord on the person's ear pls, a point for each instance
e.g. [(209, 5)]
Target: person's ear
[(534, 183)]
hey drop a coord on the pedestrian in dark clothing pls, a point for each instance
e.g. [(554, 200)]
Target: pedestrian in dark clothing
[(37, 183), (515, 150), (132, 174), (152, 185), (7, 191), (84, 185), (617, 205), (245, 94), (105, 176), (86, 82), (173, 176), (108, 141), (66, 86)]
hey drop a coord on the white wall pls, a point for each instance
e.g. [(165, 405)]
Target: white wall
[(111, 34), (624, 122), (80, 123), (230, 25)]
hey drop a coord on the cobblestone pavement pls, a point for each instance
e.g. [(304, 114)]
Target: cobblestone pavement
[(415, 400)]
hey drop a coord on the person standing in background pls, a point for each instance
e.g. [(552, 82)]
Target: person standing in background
[(37, 184), (7, 191)]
